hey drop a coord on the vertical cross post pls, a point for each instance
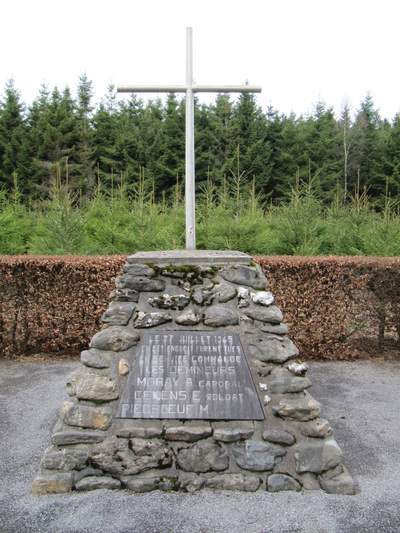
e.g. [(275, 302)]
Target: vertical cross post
[(189, 89), (190, 209)]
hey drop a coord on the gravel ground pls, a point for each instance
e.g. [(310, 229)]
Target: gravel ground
[(361, 400)]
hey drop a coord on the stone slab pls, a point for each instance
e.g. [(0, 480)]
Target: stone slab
[(190, 375), (192, 257)]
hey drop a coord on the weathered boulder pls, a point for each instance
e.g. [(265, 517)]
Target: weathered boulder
[(265, 298), (118, 313), (275, 329), (338, 482), (200, 296), (204, 456), (219, 316), (138, 269), (244, 275), (167, 301), (225, 292), (115, 456), (149, 320), (86, 416), (97, 482), (272, 349), (317, 428), (140, 283), (97, 388), (124, 295), (232, 431), (144, 429), (298, 407), (188, 318), (298, 369), (189, 431), (279, 436), (76, 436), (148, 482), (115, 338), (317, 455), (255, 455), (271, 314), (52, 483), (94, 358), (245, 482), (69, 458), (279, 482), (282, 381)]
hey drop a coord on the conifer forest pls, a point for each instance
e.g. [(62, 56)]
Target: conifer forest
[(83, 178)]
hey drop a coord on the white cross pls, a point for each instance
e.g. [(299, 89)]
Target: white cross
[(189, 88)]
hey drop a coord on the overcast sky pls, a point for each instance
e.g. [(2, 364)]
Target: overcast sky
[(300, 51)]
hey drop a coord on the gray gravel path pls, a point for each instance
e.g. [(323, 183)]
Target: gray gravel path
[(361, 400)]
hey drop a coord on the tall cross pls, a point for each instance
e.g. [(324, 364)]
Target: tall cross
[(189, 89)]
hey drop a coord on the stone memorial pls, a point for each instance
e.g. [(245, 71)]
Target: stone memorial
[(192, 383)]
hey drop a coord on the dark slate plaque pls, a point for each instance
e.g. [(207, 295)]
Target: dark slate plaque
[(190, 375)]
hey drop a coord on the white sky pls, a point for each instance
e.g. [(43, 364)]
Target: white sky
[(300, 51)]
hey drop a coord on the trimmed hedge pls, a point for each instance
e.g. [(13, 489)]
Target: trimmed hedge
[(336, 307)]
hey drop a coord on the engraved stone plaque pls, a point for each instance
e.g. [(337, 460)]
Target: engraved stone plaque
[(190, 375)]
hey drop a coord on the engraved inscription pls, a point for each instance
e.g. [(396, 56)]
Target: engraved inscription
[(190, 374)]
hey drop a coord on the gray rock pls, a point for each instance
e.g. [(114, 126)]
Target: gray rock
[(144, 429), (140, 283), (275, 329), (243, 297), (115, 338), (167, 301), (202, 297), (124, 295), (118, 313), (69, 458), (282, 381), (225, 292), (341, 483), (136, 269), (72, 381), (298, 369), (149, 320), (247, 483), (86, 472), (96, 358), (272, 349), (189, 431), (76, 436), (279, 436), (147, 483), (204, 456), (256, 456), (263, 369), (271, 314), (188, 318), (115, 456), (190, 482), (317, 455), (97, 482), (54, 483), (97, 388), (244, 275), (219, 316), (232, 431), (279, 482), (86, 416), (301, 407), (265, 298), (317, 428)]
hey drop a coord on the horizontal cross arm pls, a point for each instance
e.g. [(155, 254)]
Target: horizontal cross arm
[(226, 89), (184, 88), (151, 89)]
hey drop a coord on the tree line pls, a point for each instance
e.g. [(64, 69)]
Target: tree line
[(66, 138)]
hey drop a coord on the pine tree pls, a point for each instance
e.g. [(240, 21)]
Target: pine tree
[(14, 154), (85, 149)]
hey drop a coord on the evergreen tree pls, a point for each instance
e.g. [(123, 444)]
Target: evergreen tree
[(14, 154)]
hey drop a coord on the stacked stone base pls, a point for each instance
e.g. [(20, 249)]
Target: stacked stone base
[(292, 449)]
